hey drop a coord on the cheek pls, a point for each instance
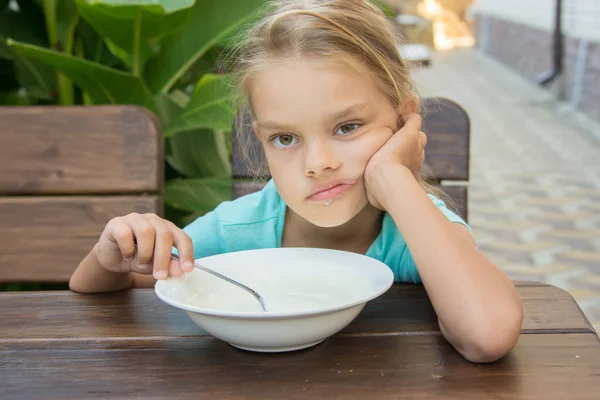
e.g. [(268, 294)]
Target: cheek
[(364, 147)]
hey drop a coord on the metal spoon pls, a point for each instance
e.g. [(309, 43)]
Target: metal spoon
[(236, 283), (215, 273)]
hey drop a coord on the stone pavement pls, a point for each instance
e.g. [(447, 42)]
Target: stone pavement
[(534, 197)]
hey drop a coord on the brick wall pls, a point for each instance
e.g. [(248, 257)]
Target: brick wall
[(528, 50)]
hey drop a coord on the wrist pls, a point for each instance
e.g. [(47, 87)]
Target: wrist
[(383, 180)]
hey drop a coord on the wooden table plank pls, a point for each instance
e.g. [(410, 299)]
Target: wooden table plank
[(130, 315), (557, 366)]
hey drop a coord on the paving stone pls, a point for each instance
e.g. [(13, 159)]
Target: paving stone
[(534, 194)]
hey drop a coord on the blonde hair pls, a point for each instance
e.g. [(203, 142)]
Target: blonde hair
[(352, 31)]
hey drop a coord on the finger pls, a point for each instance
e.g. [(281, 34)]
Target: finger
[(162, 249), (144, 235), (175, 268), (185, 248), (413, 122), (121, 233)]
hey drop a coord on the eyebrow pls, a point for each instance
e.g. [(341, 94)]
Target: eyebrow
[(334, 117)]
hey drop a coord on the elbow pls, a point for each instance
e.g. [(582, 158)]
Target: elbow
[(487, 351), (493, 342)]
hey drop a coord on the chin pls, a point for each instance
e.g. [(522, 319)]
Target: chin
[(331, 216), (328, 222)]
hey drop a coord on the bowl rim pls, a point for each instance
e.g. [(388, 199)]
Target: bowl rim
[(279, 315)]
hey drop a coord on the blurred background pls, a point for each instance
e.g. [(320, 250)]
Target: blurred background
[(527, 73)]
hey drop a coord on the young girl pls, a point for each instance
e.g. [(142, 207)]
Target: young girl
[(334, 107)]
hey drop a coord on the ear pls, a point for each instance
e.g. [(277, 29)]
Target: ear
[(405, 108), (256, 131)]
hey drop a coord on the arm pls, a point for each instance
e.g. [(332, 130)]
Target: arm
[(91, 277), (479, 310), (133, 251)]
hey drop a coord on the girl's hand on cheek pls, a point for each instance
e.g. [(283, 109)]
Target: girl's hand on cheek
[(405, 148)]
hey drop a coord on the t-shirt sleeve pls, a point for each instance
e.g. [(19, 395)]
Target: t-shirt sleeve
[(205, 235), (451, 215), (407, 268)]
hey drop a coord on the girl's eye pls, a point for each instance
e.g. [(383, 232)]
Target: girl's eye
[(346, 129), (284, 141)]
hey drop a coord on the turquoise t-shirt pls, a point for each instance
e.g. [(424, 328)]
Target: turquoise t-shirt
[(255, 221)]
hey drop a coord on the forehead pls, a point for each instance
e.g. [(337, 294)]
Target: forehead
[(309, 89)]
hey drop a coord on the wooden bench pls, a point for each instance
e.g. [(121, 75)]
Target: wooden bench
[(447, 127), (66, 171)]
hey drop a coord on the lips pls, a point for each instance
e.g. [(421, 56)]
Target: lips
[(330, 190)]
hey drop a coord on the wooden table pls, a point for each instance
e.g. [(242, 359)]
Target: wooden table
[(62, 345)]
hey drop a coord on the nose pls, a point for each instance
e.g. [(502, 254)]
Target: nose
[(319, 156)]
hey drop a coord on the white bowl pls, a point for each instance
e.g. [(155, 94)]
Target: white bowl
[(310, 294)]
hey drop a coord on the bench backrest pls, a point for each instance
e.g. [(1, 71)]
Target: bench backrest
[(65, 172), (447, 127)]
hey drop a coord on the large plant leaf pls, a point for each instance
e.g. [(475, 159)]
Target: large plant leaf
[(197, 195), (201, 153), (94, 47), (209, 107), (27, 25), (104, 85), (169, 106), (207, 64), (133, 28), (210, 22), (66, 22)]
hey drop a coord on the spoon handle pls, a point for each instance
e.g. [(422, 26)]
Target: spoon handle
[(238, 284)]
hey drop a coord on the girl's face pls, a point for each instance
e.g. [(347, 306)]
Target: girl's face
[(320, 122)]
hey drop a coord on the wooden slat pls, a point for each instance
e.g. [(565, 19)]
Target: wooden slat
[(43, 239), (242, 188), (404, 309), (387, 367), (460, 201), (447, 154), (68, 150), (458, 194), (448, 128)]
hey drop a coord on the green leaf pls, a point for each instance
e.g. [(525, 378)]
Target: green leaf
[(94, 47), (38, 79), (27, 25), (166, 6), (384, 7), (201, 153), (210, 22), (134, 28), (16, 99), (197, 195), (104, 85), (168, 107), (66, 22), (209, 106), (207, 64)]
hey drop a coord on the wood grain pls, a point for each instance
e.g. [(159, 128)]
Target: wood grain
[(541, 367), (68, 150), (134, 314), (447, 154), (43, 239)]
